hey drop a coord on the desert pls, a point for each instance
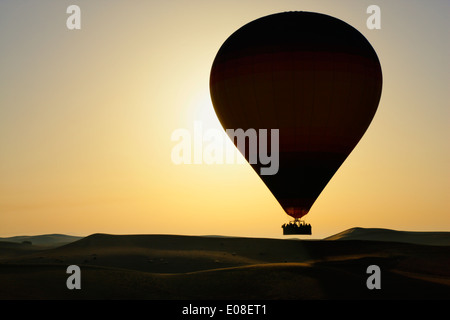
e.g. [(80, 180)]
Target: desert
[(413, 265)]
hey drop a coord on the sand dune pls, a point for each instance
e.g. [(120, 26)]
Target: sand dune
[(12, 249), (194, 267), (43, 240), (377, 234)]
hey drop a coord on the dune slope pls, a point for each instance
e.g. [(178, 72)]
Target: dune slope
[(378, 234)]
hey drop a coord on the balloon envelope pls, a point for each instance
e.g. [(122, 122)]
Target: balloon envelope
[(313, 77)]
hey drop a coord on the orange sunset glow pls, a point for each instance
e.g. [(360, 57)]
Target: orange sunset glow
[(87, 116)]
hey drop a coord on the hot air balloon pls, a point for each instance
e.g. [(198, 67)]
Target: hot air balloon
[(315, 78)]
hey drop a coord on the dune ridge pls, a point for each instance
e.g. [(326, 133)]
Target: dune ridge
[(380, 234)]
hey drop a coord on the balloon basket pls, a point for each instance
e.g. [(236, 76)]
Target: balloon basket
[(296, 227)]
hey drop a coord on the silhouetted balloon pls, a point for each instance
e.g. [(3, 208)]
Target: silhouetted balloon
[(313, 77)]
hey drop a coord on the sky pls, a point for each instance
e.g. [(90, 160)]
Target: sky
[(87, 116)]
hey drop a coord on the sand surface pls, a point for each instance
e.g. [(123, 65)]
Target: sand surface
[(194, 267)]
